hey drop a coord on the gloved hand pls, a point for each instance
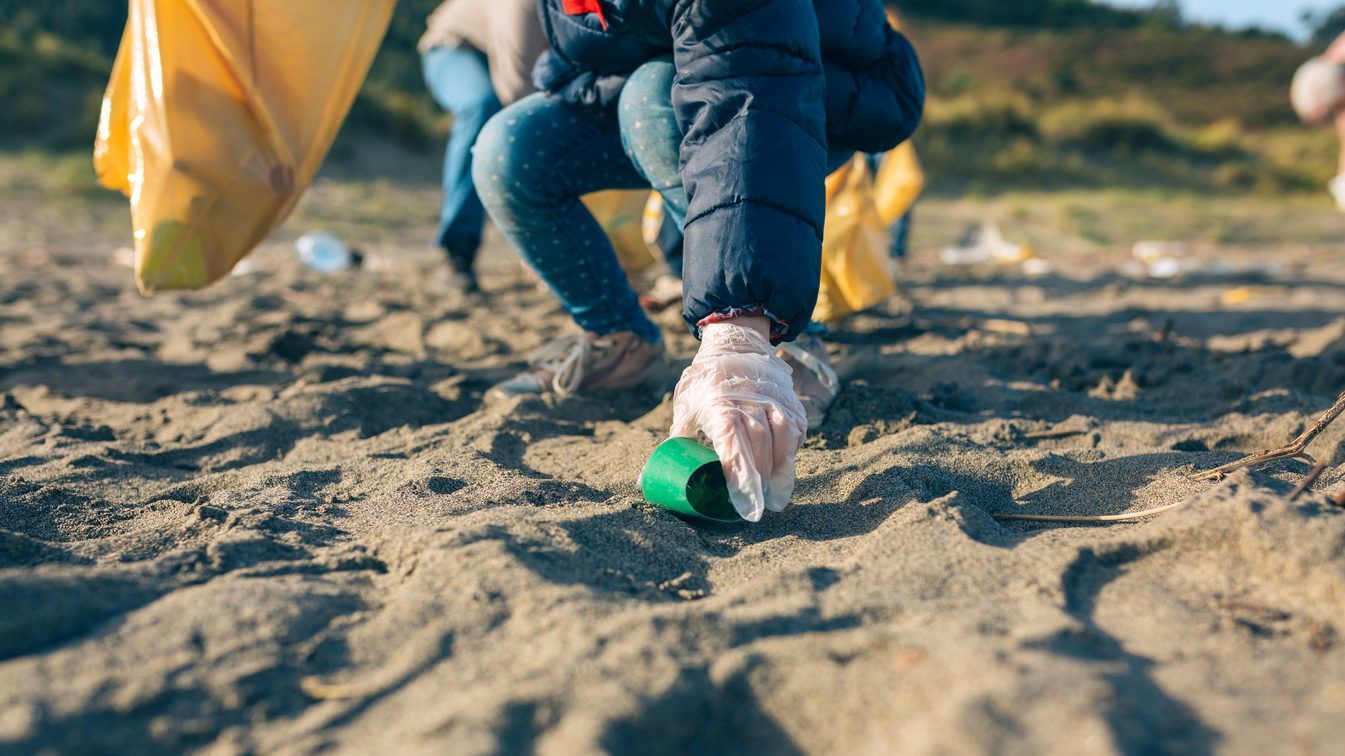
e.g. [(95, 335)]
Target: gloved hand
[(741, 396)]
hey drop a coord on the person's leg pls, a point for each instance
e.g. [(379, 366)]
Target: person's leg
[(652, 140), (1340, 131), (459, 80), (1337, 185), (901, 234), (532, 163)]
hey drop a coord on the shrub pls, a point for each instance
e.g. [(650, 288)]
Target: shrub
[(1119, 128)]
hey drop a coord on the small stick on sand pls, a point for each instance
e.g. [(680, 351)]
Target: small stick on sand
[(320, 690), (1165, 332), (1294, 450), (1135, 517), (1008, 327), (1308, 480), (1053, 433)]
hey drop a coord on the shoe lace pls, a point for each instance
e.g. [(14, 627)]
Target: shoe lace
[(566, 359), (825, 374)]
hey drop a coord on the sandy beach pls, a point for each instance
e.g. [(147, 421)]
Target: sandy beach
[(276, 516)]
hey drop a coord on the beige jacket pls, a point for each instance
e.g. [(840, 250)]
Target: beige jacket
[(507, 32)]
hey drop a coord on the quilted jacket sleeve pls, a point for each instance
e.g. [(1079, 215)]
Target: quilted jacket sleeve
[(750, 98), (875, 89)]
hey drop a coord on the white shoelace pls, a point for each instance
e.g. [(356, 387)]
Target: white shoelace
[(825, 375), (566, 359)]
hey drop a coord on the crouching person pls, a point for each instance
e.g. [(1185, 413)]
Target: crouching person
[(476, 56), (734, 111)]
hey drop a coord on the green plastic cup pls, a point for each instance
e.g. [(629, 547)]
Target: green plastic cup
[(685, 477)]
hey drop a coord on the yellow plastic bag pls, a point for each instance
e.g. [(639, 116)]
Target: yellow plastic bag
[(218, 115), (854, 246), (899, 183), (620, 212)]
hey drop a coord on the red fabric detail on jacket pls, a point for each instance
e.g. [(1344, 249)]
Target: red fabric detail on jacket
[(779, 328), (580, 7)]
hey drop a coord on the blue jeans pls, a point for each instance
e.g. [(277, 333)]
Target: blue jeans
[(652, 140), (533, 162), (459, 81), (901, 234)]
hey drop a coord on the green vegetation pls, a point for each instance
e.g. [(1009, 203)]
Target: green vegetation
[(55, 57), (1049, 14), (51, 89), (1149, 105), (1036, 94)]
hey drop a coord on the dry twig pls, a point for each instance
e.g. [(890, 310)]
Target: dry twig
[(320, 690), (1308, 480), (1296, 449), (1052, 433), (1165, 332), (1007, 327), (1133, 517)]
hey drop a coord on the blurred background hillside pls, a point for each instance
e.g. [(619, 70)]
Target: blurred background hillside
[(1035, 94)]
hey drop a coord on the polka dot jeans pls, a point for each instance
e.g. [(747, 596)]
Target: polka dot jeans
[(537, 157)]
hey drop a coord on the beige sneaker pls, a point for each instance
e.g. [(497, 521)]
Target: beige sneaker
[(815, 382), (586, 362)]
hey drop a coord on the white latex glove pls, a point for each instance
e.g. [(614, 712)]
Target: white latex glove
[(741, 396)]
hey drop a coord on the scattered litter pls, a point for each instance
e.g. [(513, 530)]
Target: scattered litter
[(324, 252), (666, 292), (124, 256), (1009, 327), (1167, 260), (985, 243), (1035, 267), (1168, 267), (1242, 294), (1160, 259), (1150, 252)]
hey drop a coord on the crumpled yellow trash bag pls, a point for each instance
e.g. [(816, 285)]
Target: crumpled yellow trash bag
[(899, 183), (855, 273), (218, 115), (620, 212)]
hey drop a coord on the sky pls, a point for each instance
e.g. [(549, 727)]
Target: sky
[(1282, 15)]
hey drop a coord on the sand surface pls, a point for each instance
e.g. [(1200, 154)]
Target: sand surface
[(275, 516)]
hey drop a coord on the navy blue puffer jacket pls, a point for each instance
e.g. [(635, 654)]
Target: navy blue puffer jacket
[(763, 89)]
